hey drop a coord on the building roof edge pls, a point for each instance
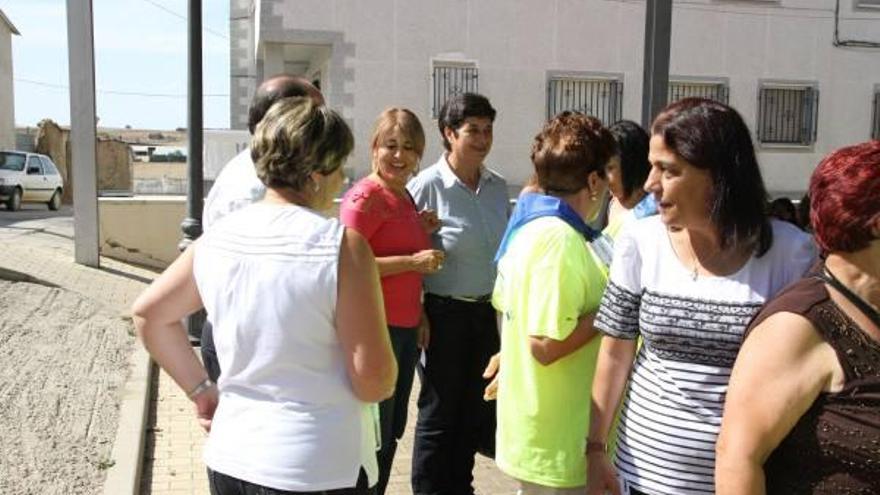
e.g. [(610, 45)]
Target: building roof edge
[(9, 23)]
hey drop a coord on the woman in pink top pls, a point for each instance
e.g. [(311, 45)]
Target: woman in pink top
[(380, 208)]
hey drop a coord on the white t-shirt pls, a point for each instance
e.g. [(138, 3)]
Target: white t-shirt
[(236, 187), (287, 417), (692, 330)]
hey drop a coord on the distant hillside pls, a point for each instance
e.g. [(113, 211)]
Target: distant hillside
[(145, 136), (161, 137)]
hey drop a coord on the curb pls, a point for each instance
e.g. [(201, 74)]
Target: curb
[(124, 477)]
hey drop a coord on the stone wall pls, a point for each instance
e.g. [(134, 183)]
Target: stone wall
[(114, 165), (52, 141), (113, 158)]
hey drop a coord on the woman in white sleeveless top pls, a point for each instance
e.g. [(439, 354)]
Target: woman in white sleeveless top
[(298, 322)]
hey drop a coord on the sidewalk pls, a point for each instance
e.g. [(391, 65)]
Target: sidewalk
[(173, 463), (39, 245)]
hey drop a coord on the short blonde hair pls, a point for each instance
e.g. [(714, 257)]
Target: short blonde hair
[(297, 137), (403, 119)]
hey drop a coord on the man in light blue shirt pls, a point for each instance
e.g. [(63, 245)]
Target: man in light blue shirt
[(472, 204)]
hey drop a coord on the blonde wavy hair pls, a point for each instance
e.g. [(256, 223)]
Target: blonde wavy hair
[(297, 137)]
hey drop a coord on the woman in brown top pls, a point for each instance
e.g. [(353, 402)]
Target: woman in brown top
[(803, 408)]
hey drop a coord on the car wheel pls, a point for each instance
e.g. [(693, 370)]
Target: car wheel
[(55, 202), (14, 201)]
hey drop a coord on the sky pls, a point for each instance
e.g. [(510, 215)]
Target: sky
[(140, 62)]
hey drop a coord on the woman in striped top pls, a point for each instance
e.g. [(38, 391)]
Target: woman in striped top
[(687, 281)]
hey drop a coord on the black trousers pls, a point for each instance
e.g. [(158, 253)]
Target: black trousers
[(393, 411), (454, 420), (221, 484), (209, 353)]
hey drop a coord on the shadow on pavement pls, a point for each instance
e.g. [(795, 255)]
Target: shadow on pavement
[(130, 276), (14, 276)]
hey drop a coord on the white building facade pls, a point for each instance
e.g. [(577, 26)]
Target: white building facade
[(804, 74), (7, 95)]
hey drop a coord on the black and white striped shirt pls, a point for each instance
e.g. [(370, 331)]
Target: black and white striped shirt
[(691, 329)]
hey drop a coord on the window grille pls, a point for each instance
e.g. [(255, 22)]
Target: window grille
[(875, 128), (717, 91), (600, 98), (452, 79), (788, 114)]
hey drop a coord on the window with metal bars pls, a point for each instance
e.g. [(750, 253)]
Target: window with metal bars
[(788, 114), (600, 98), (451, 79), (717, 91), (875, 121)]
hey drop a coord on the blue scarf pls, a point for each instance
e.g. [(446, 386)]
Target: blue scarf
[(530, 206), (646, 207)]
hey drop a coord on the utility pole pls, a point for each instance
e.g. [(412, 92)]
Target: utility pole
[(83, 153), (658, 34), (192, 224)]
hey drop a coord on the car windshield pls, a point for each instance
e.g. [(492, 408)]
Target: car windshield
[(11, 161)]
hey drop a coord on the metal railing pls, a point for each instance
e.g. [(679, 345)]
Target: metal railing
[(788, 115), (600, 98), (684, 89), (449, 80)]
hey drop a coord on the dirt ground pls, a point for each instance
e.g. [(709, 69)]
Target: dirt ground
[(63, 361)]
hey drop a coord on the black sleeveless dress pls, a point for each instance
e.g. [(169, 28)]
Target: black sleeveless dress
[(835, 446)]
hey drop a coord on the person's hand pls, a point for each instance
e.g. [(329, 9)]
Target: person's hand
[(424, 336), (491, 371), (205, 404), (428, 261), (430, 221), (601, 475)]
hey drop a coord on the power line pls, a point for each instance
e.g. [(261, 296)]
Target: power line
[(181, 16), (117, 92)]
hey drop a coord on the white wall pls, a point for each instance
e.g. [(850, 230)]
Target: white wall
[(7, 99), (389, 46)]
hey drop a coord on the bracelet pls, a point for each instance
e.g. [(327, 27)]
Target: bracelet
[(201, 387), (594, 446)]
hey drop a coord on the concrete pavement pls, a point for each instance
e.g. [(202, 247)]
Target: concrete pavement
[(38, 246)]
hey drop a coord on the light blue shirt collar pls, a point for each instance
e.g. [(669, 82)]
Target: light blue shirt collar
[(450, 179)]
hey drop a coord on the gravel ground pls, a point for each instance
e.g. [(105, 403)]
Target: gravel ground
[(63, 361)]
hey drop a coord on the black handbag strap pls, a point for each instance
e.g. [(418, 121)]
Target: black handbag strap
[(854, 298)]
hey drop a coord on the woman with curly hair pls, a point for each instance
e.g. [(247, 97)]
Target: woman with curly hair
[(549, 284)]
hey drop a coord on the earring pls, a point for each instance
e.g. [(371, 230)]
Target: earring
[(317, 187)]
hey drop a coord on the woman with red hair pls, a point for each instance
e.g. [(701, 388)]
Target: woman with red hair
[(803, 408)]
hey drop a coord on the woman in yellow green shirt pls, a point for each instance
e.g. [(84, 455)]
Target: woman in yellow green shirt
[(549, 284)]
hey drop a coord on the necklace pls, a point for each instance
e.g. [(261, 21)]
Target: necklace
[(694, 273), (694, 270)]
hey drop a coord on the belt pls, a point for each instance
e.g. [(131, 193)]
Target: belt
[(468, 299)]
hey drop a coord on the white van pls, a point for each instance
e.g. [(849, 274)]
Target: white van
[(29, 177)]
